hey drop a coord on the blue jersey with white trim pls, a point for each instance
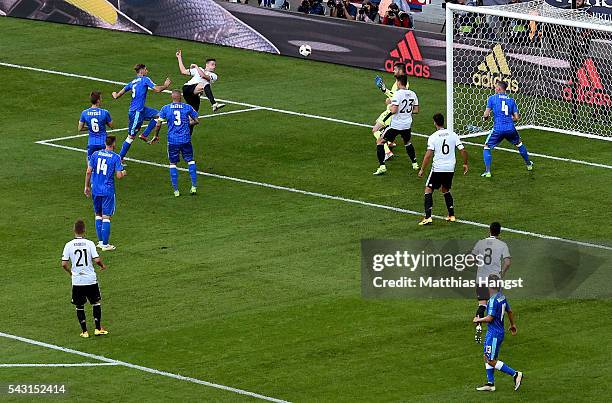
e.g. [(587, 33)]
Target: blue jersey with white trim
[(96, 120), (177, 116), (496, 307), (503, 108), (104, 164), (139, 87)]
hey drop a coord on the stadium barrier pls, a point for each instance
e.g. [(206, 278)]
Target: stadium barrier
[(332, 40)]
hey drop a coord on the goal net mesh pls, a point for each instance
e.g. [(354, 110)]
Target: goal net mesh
[(559, 74)]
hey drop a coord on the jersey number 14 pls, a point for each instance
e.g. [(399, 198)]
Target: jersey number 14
[(101, 167)]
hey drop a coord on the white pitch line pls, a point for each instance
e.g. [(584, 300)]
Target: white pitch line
[(141, 368), (80, 364), (344, 199), (307, 115), (76, 136)]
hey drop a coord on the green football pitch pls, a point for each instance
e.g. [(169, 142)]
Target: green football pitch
[(252, 288)]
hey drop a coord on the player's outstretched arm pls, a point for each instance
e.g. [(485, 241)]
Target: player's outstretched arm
[(512, 322), (486, 319), (183, 70), (160, 88), (87, 190), (117, 95)]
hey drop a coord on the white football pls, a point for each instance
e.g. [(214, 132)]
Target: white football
[(305, 50)]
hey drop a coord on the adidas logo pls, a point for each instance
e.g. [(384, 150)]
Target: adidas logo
[(589, 88), (408, 52), (495, 68)]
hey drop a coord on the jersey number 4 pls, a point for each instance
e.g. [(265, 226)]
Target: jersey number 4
[(505, 108), (101, 167)]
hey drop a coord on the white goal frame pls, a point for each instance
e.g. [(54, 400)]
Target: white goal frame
[(451, 9)]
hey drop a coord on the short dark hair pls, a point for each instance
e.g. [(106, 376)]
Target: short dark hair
[(94, 97), (502, 84), (139, 67), (495, 228), (110, 140), (400, 65), (79, 227), (211, 60), (439, 119), (403, 79)]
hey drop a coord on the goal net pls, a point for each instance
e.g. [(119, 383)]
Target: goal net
[(557, 64)]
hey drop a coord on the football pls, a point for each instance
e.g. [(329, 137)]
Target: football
[(305, 50)]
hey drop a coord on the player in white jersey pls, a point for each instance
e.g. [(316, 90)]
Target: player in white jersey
[(441, 146), (78, 258), (200, 82), (496, 260), (404, 104)]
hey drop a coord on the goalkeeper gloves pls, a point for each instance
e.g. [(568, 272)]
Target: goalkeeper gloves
[(380, 83)]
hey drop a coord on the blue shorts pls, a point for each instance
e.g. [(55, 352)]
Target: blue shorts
[(104, 205), (176, 150), (92, 149), (492, 345), (497, 137), (137, 117)]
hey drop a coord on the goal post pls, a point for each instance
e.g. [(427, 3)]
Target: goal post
[(556, 62)]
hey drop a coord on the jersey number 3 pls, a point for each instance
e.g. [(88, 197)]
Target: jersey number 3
[(177, 118)]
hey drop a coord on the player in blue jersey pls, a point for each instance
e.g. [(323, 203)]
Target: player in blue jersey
[(138, 111), (180, 117), (104, 166), (505, 114), (496, 308), (94, 120)]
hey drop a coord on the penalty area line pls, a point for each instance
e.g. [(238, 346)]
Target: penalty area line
[(76, 136), (306, 115), (343, 199), (141, 368)]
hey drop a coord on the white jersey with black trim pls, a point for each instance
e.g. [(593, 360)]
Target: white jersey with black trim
[(493, 252), (405, 100), (197, 79), (443, 143), (81, 252)]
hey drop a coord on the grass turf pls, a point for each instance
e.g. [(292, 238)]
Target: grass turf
[(258, 288)]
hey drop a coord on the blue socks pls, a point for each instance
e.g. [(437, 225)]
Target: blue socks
[(193, 172), (106, 225), (486, 153), (174, 176), (99, 227), (126, 147), (149, 128), (523, 151), (500, 366), (490, 373)]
